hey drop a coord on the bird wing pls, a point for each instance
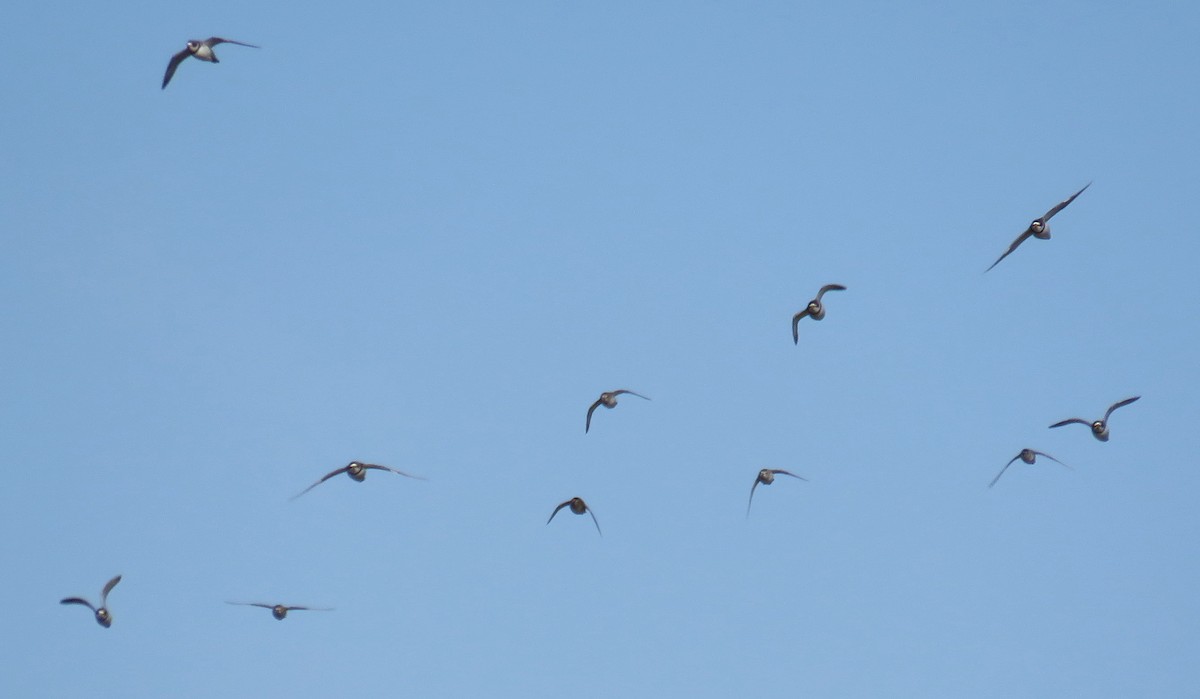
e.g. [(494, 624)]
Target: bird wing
[(393, 470), (751, 501), (310, 609), (1063, 204), (591, 410), (829, 287), (593, 514), (252, 604), (324, 478), (1042, 453), (1119, 404), (620, 391), (777, 471), (107, 589), (214, 40), (1010, 461), (175, 61), (1020, 239), (78, 600), (568, 502), (796, 325), (1067, 422)]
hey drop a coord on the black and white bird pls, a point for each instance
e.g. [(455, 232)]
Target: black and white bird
[(280, 611), (356, 470), (767, 477), (609, 400), (1040, 228), (578, 506), (1029, 456), (1099, 427), (103, 617), (815, 310), (201, 50)]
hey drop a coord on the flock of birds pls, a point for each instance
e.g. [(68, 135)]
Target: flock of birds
[(815, 309)]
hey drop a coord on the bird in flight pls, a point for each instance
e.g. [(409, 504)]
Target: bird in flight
[(1040, 228), (578, 506), (609, 400), (1028, 456), (103, 618), (280, 611), (201, 50), (814, 309), (356, 470), (767, 477), (1099, 427)]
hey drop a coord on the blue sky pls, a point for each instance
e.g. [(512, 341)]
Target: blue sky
[(428, 236)]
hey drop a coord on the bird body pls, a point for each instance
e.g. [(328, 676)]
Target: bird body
[(200, 49), (1099, 427), (103, 617), (815, 310), (1039, 228), (357, 470), (578, 506)]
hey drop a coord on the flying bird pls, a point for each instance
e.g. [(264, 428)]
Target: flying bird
[(578, 506), (609, 400), (103, 618), (814, 309), (202, 50), (767, 477), (280, 611), (356, 470), (1099, 427), (1028, 456), (1040, 228)]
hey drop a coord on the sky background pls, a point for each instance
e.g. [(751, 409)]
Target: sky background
[(429, 235)]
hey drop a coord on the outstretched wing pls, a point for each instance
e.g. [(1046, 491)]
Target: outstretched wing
[(1010, 462), (310, 609), (1015, 244), (829, 287), (787, 473), (175, 61), (1063, 204), (1119, 404), (1042, 453), (591, 410), (393, 470), (593, 514), (1067, 422), (796, 325), (107, 589), (751, 501), (214, 40), (620, 391), (568, 502), (324, 478), (78, 600), (252, 604)]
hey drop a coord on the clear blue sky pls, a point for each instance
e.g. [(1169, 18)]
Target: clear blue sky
[(429, 235)]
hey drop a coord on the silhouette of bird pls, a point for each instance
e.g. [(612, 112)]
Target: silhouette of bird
[(815, 309), (578, 506), (356, 470), (1028, 456), (200, 50), (280, 611), (609, 400), (767, 477), (1040, 227), (103, 618), (1099, 427)]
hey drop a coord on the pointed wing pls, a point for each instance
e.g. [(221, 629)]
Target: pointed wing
[(591, 410), (310, 609), (324, 478), (751, 501), (1063, 204), (1020, 239), (175, 61), (1067, 422), (107, 589), (1042, 453), (796, 325), (620, 391), (778, 471), (568, 502), (393, 470), (1119, 404), (252, 604), (1010, 461), (593, 514), (214, 40), (829, 287), (78, 600)]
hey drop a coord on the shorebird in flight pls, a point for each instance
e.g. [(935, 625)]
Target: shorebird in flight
[(103, 618), (280, 611), (815, 309), (767, 477), (356, 470), (1099, 427), (578, 506), (1040, 228), (609, 400), (1029, 456), (200, 50)]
